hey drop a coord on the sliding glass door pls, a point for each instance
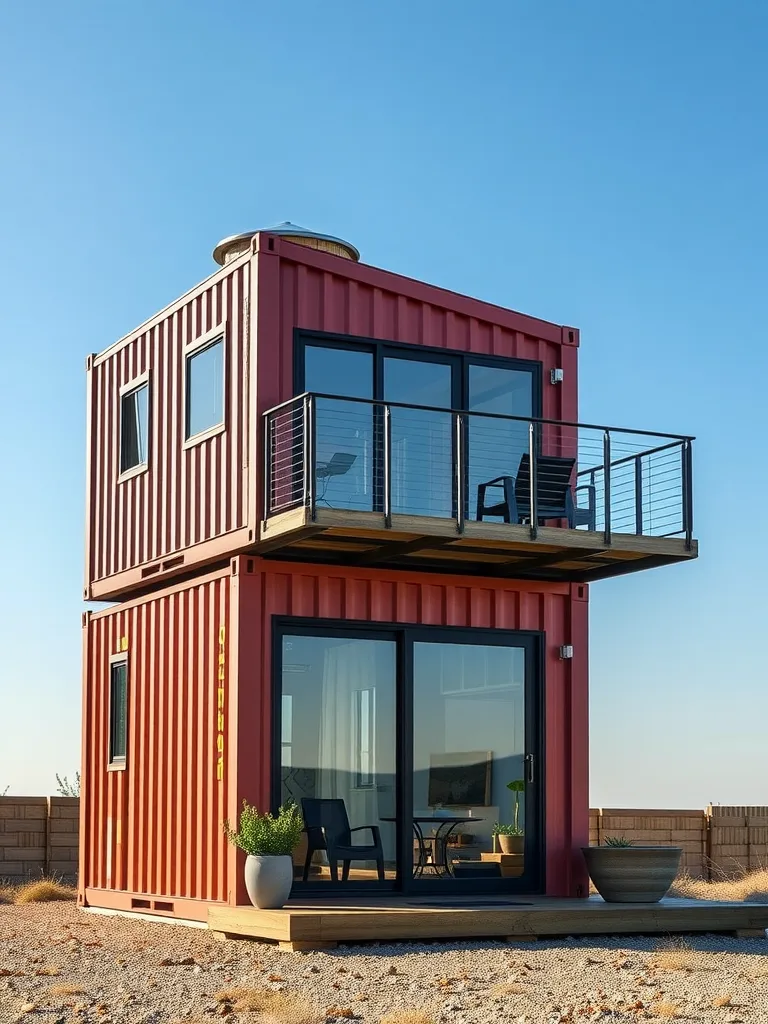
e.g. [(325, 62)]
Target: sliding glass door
[(473, 761), (405, 747), (337, 754)]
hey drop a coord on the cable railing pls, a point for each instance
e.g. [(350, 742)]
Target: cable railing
[(326, 451)]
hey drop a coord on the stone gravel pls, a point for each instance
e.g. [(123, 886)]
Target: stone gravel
[(59, 964)]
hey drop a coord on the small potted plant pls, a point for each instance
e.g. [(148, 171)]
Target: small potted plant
[(511, 838), (269, 841), (625, 873)]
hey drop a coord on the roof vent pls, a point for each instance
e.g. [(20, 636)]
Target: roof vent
[(230, 248)]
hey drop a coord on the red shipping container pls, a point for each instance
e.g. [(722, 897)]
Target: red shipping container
[(200, 723), (196, 502)]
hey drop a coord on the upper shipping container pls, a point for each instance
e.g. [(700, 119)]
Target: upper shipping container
[(175, 408)]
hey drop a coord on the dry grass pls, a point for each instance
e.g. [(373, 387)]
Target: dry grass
[(666, 1010), (751, 887), (673, 954), (66, 990), (7, 894), (407, 1017), (44, 890), (724, 1000), (273, 1007)]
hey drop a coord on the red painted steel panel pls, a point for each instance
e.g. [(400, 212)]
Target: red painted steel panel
[(302, 288), (155, 826), (188, 495), (268, 589)]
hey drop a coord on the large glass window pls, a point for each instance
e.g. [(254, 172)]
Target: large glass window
[(205, 389), (344, 443), (496, 446), (338, 754), (468, 746), (134, 424), (118, 711), (422, 441)]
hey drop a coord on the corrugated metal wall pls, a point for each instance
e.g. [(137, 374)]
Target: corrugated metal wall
[(269, 589), (186, 496), (155, 827), (318, 292)]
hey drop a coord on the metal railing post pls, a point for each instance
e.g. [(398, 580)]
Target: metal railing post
[(309, 455), (687, 456), (268, 429), (639, 495), (460, 471), (387, 467), (607, 484), (533, 480)]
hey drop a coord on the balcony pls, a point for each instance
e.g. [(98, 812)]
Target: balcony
[(353, 481)]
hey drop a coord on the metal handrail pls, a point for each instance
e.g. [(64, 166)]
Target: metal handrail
[(484, 415), (304, 460)]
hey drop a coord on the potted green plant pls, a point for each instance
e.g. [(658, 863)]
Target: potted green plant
[(511, 838), (625, 873), (269, 841)]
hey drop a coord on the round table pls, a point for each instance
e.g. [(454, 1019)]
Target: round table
[(445, 825)]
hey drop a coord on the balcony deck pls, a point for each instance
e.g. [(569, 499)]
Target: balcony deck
[(351, 481), (322, 923), (427, 543)]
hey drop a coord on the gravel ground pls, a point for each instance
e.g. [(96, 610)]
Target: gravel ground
[(58, 964)]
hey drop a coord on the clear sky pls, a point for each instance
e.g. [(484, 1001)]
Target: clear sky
[(594, 163)]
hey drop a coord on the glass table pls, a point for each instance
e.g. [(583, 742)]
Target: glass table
[(438, 841)]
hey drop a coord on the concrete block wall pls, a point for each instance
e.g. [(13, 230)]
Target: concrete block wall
[(38, 835)]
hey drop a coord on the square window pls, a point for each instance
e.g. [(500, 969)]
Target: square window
[(134, 423), (205, 389), (118, 712)]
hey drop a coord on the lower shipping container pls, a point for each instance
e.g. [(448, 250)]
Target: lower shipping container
[(181, 721)]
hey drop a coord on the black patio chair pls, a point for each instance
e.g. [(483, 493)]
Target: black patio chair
[(327, 827), (554, 498)]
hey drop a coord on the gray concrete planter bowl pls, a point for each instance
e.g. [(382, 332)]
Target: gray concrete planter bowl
[(632, 874), (268, 881)]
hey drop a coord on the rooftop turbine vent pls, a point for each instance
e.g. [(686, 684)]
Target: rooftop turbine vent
[(230, 248)]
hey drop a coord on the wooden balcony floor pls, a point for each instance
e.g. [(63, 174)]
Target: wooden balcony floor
[(317, 924), (426, 543)]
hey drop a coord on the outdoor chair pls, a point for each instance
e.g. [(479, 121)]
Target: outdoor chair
[(339, 464), (554, 497), (327, 827)]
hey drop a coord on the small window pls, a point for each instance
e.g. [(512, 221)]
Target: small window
[(134, 421), (118, 711), (205, 389)]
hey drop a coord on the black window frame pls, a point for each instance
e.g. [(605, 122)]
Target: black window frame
[(405, 636), (382, 349), (118, 760)]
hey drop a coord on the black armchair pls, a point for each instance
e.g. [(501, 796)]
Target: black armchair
[(554, 497), (327, 827)]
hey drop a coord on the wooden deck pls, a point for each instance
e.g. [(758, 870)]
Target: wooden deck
[(425, 543), (318, 924)]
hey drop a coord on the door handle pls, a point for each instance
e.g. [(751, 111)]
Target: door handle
[(530, 770)]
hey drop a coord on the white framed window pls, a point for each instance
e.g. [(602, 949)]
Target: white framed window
[(134, 425), (204, 392), (118, 711)]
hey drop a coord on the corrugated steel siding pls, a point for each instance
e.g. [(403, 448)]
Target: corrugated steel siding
[(185, 496), (280, 589), (155, 827), (318, 293)]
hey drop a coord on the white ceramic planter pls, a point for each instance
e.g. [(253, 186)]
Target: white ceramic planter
[(268, 881)]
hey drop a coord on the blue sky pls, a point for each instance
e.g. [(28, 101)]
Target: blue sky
[(598, 164)]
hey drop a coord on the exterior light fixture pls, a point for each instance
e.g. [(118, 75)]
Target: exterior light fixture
[(556, 376), (566, 652)]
